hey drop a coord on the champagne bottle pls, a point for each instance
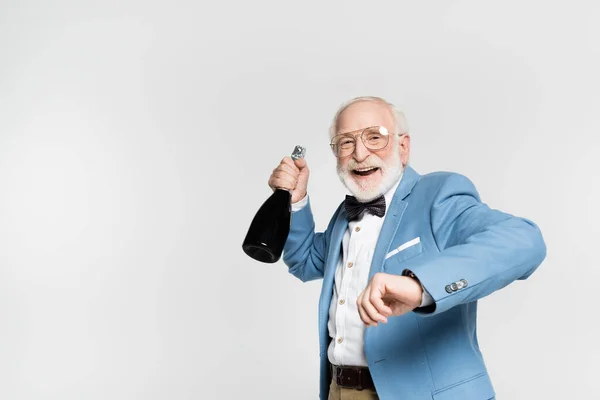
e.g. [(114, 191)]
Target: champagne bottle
[(271, 225)]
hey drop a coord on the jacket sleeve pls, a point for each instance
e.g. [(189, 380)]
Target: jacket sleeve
[(305, 251), (481, 250)]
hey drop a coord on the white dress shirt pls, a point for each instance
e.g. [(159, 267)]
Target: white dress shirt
[(351, 277)]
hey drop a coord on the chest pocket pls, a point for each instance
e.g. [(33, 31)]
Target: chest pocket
[(405, 251)]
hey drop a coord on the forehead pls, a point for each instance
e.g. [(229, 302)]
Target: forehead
[(364, 114)]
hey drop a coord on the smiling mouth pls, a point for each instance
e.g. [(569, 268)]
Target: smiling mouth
[(365, 171)]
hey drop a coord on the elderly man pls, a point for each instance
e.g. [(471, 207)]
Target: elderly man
[(403, 262)]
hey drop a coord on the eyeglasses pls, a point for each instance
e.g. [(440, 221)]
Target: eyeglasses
[(373, 137)]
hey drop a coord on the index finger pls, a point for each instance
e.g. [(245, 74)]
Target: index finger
[(288, 161), (376, 298)]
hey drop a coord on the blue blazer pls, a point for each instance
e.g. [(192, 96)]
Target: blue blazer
[(460, 250)]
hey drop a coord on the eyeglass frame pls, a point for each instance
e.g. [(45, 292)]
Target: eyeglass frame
[(362, 131)]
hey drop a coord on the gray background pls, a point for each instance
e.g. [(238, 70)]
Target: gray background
[(137, 137)]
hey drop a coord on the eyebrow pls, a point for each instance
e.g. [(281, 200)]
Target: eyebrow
[(356, 130)]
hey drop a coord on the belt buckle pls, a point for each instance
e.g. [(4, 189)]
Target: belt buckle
[(360, 386)]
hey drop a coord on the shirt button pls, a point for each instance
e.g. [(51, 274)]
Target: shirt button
[(350, 264), (340, 340), (342, 301), (357, 228)]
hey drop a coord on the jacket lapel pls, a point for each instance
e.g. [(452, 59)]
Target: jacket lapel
[(392, 219), (331, 262)]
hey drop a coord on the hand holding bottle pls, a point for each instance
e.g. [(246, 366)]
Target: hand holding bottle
[(291, 175), (270, 226)]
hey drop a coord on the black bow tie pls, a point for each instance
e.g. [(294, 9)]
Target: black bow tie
[(355, 208)]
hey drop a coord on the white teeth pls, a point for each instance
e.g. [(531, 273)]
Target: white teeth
[(365, 169)]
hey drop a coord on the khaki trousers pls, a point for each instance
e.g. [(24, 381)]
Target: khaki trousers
[(340, 393)]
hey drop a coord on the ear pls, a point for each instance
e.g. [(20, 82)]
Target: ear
[(404, 148)]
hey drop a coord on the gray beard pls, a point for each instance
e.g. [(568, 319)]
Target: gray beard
[(391, 172)]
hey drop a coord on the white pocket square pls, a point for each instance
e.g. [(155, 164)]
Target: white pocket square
[(403, 247)]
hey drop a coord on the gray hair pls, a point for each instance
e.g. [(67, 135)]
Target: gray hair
[(399, 118)]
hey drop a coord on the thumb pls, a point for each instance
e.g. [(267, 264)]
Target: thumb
[(300, 163)]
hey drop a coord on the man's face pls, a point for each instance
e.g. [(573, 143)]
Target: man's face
[(370, 173)]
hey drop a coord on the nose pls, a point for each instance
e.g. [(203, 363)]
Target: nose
[(360, 151)]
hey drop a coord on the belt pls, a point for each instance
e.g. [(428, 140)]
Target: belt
[(358, 378)]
